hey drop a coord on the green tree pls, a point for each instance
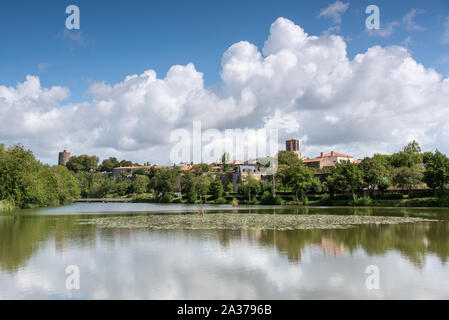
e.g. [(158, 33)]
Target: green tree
[(409, 157), (25, 182), (202, 186), (216, 188), (162, 184), (347, 176), (230, 187), (249, 187), (407, 177), (383, 184), (68, 186), (374, 170), (299, 178), (436, 173), (108, 164), (288, 158), (83, 162), (188, 187), (140, 184)]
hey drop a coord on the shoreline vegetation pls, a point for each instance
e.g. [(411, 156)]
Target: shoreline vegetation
[(408, 178)]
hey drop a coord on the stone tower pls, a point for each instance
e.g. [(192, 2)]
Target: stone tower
[(292, 145), (64, 157)]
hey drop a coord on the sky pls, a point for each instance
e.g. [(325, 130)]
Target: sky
[(136, 71)]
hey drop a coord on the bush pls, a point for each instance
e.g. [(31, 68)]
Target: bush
[(220, 200), (6, 205), (269, 199), (421, 194), (444, 200), (390, 196), (166, 198), (361, 201), (423, 202), (340, 197)]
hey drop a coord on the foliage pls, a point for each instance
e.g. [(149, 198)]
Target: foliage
[(364, 201), (140, 184), (202, 186), (249, 187), (391, 196), (383, 184), (269, 199), (444, 199), (436, 174), (68, 186), (216, 188), (188, 187), (288, 158), (409, 157), (108, 164), (83, 162), (26, 183), (300, 179), (407, 177), (162, 183), (347, 176), (374, 171)]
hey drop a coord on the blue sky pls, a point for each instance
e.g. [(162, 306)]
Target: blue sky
[(119, 38), (256, 65)]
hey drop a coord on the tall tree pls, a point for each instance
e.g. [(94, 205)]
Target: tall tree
[(374, 170), (300, 179), (83, 162), (407, 177), (347, 176), (108, 164), (436, 174)]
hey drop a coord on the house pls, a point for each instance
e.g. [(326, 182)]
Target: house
[(117, 172), (241, 175), (325, 160)]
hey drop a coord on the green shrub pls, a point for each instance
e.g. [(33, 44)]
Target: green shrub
[(7, 205), (390, 196), (166, 198), (444, 200), (423, 202), (342, 197), (361, 201), (421, 194), (269, 199), (220, 200)]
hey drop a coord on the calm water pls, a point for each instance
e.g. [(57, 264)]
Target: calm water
[(37, 246)]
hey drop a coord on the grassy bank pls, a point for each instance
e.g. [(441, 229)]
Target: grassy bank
[(320, 200)]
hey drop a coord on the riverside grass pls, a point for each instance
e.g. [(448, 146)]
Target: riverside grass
[(244, 221)]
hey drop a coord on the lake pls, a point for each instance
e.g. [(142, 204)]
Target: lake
[(410, 260)]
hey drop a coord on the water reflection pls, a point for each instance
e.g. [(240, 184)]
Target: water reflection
[(126, 263)]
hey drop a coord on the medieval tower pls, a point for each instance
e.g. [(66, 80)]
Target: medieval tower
[(63, 158)]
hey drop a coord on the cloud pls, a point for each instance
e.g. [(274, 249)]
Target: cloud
[(303, 84), (384, 32), (445, 38), (42, 66), (409, 22), (334, 11)]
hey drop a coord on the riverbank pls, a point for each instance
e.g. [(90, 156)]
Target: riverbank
[(321, 200)]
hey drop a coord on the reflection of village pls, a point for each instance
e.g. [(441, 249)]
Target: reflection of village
[(27, 235)]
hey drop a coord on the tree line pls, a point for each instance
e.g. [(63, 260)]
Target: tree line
[(26, 183)]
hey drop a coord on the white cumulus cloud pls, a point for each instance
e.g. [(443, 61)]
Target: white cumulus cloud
[(305, 85)]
